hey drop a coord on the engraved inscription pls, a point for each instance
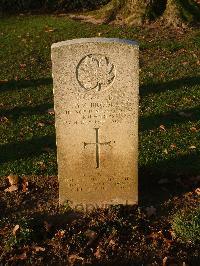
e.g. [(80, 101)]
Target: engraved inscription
[(95, 72), (97, 112), (97, 143)]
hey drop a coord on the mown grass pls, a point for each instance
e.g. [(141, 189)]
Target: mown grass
[(186, 225), (169, 95)]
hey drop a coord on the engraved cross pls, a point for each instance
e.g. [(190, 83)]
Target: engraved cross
[(97, 143)]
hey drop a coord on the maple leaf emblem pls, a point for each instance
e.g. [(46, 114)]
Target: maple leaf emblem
[(95, 72)]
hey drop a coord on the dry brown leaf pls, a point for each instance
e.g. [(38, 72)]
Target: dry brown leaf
[(41, 124), (74, 258), (3, 119), (197, 191), (193, 129), (23, 256), (162, 127), (155, 236), (111, 243), (165, 151), (22, 65), (165, 261), (12, 188), (192, 147), (91, 234), (173, 146), (39, 249), (49, 30), (60, 234), (97, 254), (16, 229), (13, 179), (24, 185), (51, 111)]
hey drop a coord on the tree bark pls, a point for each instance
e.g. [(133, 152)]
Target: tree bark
[(136, 12)]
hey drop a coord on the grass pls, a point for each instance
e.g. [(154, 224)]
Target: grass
[(186, 225), (169, 150)]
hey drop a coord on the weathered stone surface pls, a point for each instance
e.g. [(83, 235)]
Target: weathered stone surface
[(96, 105)]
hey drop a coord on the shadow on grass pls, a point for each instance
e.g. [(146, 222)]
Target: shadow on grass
[(20, 84), (168, 178), (26, 149), (169, 119), (170, 85), (16, 112)]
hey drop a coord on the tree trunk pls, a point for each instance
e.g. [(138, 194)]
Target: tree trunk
[(136, 12)]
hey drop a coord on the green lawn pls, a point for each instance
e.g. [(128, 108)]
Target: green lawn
[(169, 94)]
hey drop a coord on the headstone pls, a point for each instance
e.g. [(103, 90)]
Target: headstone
[(96, 106)]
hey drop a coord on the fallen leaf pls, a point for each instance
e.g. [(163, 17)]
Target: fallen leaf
[(173, 146), (24, 184), (16, 229), (97, 253), (40, 124), (192, 147), (155, 236), (39, 249), (51, 111), (23, 256), (60, 234), (193, 129), (42, 165), (22, 65), (12, 188), (165, 261), (197, 191), (162, 127), (3, 119), (49, 30), (111, 243), (14, 183), (91, 234), (74, 258), (165, 151), (150, 211), (13, 179)]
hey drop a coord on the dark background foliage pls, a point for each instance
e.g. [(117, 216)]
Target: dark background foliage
[(55, 5)]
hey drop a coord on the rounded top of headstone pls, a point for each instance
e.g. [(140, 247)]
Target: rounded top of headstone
[(94, 40)]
